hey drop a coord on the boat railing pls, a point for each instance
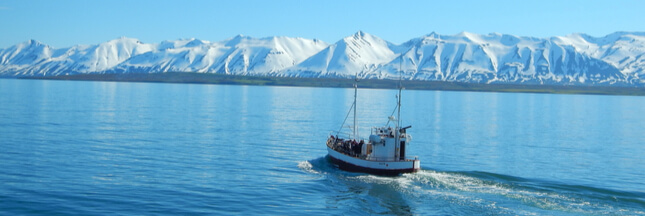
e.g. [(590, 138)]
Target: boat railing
[(385, 132), (377, 131), (389, 159)]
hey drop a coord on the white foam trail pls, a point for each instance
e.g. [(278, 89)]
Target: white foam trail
[(307, 167), (473, 185), (453, 186)]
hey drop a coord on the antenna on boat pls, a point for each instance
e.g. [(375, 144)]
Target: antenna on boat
[(398, 106)]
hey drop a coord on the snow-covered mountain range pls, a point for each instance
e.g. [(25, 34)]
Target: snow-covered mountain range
[(576, 59)]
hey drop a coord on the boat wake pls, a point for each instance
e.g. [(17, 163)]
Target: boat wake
[(479, 192), (505, 193), (319, 165)]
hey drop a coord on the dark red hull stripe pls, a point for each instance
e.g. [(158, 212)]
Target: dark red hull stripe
[(354, 168)]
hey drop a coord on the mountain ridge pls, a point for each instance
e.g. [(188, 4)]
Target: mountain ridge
[(575, 59)]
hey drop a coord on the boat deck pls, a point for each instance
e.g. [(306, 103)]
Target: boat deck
[(352, 148)]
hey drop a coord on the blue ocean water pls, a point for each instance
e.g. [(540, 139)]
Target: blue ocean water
[(106, 148)]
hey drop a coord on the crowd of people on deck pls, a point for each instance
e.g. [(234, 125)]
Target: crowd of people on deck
[(348, 146)]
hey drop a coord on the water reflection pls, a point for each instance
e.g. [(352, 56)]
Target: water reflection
[(362, 194)]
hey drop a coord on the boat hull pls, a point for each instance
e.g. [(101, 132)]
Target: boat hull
[(386, 168)]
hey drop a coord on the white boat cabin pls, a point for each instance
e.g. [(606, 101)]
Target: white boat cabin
[(383, 144)]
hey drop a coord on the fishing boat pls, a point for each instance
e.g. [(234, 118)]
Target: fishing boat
[(384, 153)]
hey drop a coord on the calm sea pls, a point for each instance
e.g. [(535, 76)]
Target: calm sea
[(107, 148)]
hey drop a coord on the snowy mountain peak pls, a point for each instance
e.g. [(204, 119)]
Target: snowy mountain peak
[(357, 53), (468, 37), (359, 34), (34, 42), (432, 35), (361, 38), (607, 39), (195, 42), (237, 40), (30, 44)]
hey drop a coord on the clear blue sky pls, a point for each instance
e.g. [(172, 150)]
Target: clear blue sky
[(63, 23)]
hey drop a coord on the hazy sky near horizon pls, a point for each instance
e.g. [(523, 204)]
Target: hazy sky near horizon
[(68, 22)]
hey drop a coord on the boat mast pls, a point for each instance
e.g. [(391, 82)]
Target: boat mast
[(354, 128), (355, 93)]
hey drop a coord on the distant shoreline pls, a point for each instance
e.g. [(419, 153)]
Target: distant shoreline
[(210, 78)]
